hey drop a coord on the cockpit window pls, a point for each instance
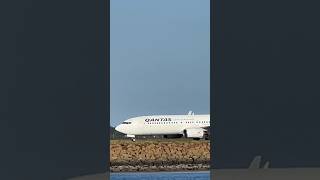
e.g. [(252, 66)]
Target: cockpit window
[(126, 123)]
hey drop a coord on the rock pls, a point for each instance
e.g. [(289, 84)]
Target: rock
[(164, 154)]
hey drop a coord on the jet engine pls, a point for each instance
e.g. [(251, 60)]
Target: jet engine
[(195, 133)]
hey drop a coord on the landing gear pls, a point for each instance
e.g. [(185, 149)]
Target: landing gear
[(133, 137), (206, 135)]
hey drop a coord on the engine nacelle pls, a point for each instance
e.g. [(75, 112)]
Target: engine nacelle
[(194, 133)]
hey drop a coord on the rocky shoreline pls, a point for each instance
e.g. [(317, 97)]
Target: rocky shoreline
[(162, 155), (147, 168)]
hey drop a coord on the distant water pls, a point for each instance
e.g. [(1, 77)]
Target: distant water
[(196, 175)]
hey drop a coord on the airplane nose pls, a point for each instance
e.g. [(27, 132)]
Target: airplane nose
[(118, 128)]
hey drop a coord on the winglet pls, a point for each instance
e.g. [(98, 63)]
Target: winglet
[(266, 165), (255, 164)]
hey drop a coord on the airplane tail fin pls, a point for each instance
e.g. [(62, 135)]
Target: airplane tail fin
[(190, 113), (255, 164)]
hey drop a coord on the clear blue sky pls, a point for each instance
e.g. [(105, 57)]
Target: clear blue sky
[(160, 57)]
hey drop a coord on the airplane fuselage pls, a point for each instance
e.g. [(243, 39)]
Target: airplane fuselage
[(163, 124)]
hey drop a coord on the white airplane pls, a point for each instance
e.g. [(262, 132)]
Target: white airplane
[(171, 126)]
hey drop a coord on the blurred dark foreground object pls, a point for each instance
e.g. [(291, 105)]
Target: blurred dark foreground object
[(53, 95), (103, 176), (259, 171)]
